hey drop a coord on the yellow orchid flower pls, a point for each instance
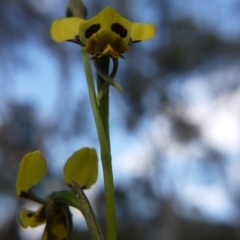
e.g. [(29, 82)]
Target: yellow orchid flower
[(56, 216), (80, 168), (107, 33)]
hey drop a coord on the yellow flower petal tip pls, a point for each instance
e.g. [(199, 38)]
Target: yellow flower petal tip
[(142, 32), (82, 167), (28, 218), (32, 170), (65, 29)]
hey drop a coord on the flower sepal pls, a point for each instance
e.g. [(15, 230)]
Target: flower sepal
[(82, 167), (33, 168)]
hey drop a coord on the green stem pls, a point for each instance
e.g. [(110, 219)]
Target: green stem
[(105, 154)]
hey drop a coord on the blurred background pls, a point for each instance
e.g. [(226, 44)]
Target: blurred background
[(175, 129)]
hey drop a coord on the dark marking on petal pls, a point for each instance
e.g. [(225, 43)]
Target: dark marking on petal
[(91, 30), (119, 29), (30, 214)]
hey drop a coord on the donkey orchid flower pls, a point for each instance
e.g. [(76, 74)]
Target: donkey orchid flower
[(106, 34)]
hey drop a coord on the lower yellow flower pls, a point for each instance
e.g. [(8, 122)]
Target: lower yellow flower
[(57, 217), (80, 168)]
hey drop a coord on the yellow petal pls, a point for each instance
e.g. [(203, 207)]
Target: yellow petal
[(82, 167), (65, 29), (107, 20), (28, 218), (32, 170), (140, 32), (59, 224)]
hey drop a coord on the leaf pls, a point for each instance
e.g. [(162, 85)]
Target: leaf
[(32, 170), (82, 167)]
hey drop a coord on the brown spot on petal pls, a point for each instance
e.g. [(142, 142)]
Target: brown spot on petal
[(30, 214), (119, 29), (91, 30)]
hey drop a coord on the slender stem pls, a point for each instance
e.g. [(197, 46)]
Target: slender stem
[(105, 154)]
